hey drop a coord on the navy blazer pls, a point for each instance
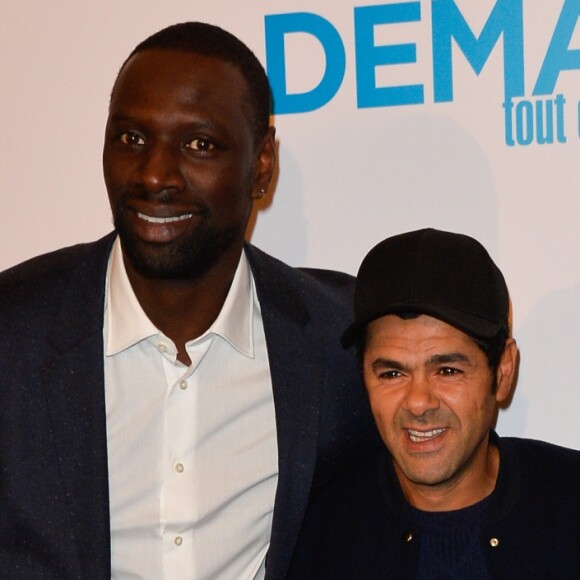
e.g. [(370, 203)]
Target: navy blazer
[(54, 508), (361, 526)]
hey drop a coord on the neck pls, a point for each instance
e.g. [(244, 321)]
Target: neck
[(184, 309)]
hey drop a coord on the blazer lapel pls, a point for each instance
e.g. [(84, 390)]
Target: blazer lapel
[(73, 378), (294, 369)]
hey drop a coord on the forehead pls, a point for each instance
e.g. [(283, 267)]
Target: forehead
[(423, 335), (154, 77)]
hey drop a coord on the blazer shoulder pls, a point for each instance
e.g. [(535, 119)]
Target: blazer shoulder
[(542, 459), (330, 278), (65, 285), (314, 285), (541, 474), (53, 266), (330, 287)]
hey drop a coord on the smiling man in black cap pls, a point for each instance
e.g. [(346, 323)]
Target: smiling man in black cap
[(448, 498)]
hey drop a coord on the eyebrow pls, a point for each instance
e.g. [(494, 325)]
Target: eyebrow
[(451, 357), (388, 363), (436, 359)]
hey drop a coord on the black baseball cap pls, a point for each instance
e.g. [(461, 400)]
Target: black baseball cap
[(445, 275)]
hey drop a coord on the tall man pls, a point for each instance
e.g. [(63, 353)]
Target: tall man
[(447, 498), (168, 394)]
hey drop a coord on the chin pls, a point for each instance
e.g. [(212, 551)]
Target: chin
[(428, 475), (185, 259)]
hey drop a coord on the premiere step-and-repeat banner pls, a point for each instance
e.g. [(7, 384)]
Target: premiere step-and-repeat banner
[(390, 116)]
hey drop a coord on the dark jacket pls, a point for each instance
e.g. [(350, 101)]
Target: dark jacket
[(54, 510), (360, 526)]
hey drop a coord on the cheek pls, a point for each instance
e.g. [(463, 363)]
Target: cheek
[(226, 182), (487, 408), (384, 408), (113, 182), (116, 171), (470, 410)]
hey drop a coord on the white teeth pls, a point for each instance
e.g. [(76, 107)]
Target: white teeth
[(417, 436), (164, 220)]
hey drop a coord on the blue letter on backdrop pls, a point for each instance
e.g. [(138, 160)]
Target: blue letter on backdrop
[(558, 57), (276, 27), (369, 56), (506, 17)]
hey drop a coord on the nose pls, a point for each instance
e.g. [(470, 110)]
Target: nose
[(160, 169), (420, 397)]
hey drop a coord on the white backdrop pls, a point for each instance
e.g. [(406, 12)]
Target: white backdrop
[(349, 174)]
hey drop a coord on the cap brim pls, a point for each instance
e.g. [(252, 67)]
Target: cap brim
[(472, 325)]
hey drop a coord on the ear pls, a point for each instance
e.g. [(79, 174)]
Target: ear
[(506, 370), (265, 163)]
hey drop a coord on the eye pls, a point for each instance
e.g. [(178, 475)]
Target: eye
[(448, 371), (392, 374), (200, 144), (131, 138)]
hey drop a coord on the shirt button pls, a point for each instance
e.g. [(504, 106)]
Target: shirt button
[(179, 467), (178, 540), (183, 385), (162, 347), (494, 542)]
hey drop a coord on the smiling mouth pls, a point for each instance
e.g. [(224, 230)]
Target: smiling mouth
[(420, 436), (164, 220)]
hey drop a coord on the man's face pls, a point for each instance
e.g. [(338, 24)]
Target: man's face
[(180, 162), (430, 389)]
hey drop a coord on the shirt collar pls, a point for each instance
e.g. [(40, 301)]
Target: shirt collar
[(126, 323)]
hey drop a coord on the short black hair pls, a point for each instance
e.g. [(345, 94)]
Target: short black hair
[(492, 347), (212, 41)]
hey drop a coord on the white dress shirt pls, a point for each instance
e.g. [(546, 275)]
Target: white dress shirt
[(192, 451)]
